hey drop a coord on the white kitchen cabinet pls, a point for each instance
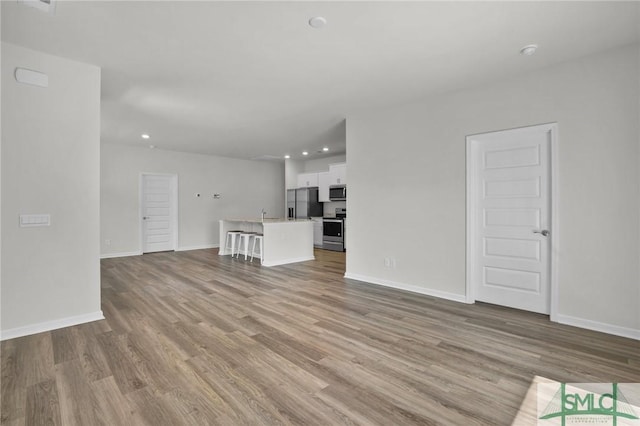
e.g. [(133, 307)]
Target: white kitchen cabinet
[(338, 174), (317, 232), (307, 180), (324, 180)]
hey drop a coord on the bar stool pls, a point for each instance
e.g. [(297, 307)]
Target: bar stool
[(256, 238), (231, 235), (245, 239)]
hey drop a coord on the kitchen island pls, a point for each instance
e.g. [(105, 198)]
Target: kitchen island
[(284, 241)]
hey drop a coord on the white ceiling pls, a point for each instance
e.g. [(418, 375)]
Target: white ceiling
[(253, 79)]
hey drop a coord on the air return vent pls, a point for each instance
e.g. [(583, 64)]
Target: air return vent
[(48, 6)]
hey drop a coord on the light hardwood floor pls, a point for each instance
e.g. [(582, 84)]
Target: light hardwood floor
[(194, 338)]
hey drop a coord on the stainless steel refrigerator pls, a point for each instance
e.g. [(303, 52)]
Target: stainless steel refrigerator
[(305, 204), (291, 203)]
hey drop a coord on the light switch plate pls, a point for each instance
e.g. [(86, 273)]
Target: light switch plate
[(28, 220), (31, 77)]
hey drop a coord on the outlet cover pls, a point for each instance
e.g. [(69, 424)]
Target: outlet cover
[(29, 220)]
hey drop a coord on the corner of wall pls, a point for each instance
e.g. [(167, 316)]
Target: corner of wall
[(50, 274)]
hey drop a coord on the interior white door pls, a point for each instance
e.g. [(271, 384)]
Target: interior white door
[(158, 210), (511, 204)]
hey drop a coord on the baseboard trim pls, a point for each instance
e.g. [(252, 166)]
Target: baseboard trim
[(408, 287), (41, 327), (599, 326), (287, 261), (139, 253), (202, 247), (122, 254)]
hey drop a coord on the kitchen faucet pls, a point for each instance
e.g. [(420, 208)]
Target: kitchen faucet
[(263, 213)]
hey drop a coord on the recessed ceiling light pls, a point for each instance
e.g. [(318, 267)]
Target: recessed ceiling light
[(317, 22), (529, 49), (325, 149), (305, 153), (287, 156), (152, 146), (145, 136)]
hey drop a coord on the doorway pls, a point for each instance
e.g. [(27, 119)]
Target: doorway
[(511, 221), (158, 212)]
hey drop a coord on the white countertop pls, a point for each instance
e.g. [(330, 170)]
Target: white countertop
[(269, 220)]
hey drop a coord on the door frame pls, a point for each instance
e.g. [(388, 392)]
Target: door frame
[(174, 209), (473, 210)]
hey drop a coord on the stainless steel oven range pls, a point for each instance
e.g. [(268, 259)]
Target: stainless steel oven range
[(333, 231)]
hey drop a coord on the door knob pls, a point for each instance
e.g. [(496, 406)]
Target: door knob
[(145, 217), (544, 232)]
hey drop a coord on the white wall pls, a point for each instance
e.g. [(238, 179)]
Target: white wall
[(292, 168), (412, 158), (322, 164), (246, 188), (0, 190), (50, 164)]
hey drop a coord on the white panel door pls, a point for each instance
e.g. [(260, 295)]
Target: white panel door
[(511, 199), (158, 233)]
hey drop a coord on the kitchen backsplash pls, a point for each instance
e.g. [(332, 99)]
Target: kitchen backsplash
[(330, 207)]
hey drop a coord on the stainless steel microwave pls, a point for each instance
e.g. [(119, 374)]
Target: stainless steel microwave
[(338, 192)]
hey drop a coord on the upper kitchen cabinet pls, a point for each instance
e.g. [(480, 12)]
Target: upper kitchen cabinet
[(306, 180), (324, 180), (338, 174)]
